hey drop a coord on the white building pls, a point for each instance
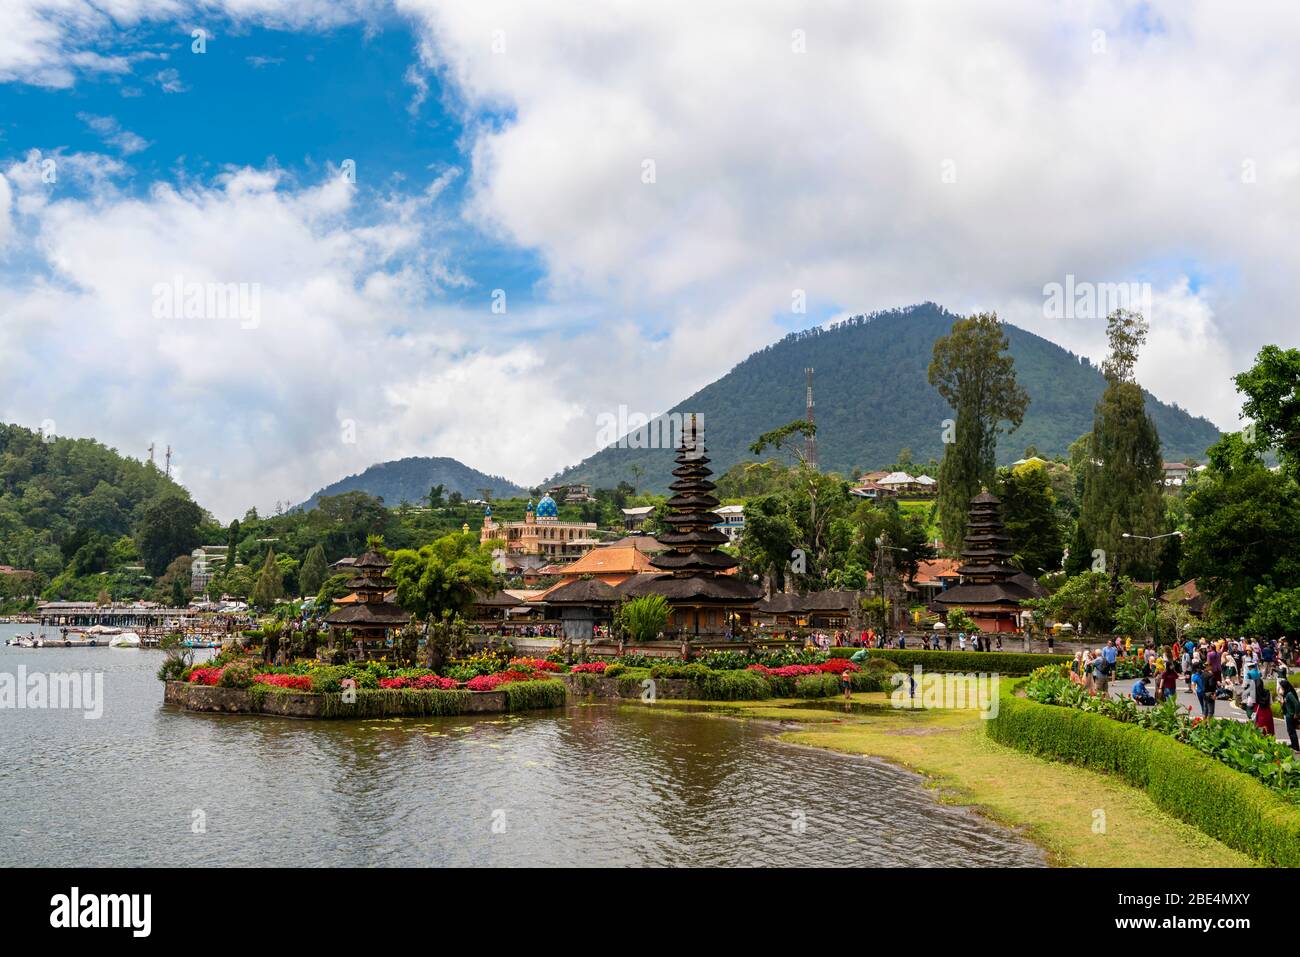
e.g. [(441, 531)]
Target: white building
[(733, 521)]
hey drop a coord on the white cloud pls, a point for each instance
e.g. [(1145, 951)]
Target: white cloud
[(824, 170), (256, 414), (6, 217)]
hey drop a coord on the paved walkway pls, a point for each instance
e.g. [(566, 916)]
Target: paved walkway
[(1222, 709)]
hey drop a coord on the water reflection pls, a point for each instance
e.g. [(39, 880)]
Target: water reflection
[(591, 785)]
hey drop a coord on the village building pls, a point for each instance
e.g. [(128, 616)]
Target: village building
[(634, 518), (733, 522)]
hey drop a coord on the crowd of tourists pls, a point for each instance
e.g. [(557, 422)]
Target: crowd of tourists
[(870, 638), (1226, 669)]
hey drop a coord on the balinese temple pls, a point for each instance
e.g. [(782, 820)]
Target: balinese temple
[(692, 574), (371, 615), (991, 588)]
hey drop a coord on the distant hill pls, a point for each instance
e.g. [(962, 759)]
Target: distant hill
[(56, 492), (873, 398), (409, 480)]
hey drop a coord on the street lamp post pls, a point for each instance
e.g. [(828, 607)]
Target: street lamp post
[(1155, 634), (880, 584)]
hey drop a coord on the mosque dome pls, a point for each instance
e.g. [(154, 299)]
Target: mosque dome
[(547, 508)]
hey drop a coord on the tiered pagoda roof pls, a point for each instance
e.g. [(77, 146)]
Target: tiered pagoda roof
[(372, 610), (987, 575), (692, 568)]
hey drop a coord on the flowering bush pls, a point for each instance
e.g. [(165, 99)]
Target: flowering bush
[(492, 682), (296, 682), (205, 676), (786, 671), (534, 664), (421, 683), (590, 668), (837, 666)]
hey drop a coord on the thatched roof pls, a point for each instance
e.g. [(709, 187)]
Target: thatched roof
[(375, 613), (583, 591)]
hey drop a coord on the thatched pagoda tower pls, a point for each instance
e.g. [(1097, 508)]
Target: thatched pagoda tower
[(991, 588), (694, 576), (371, 615)]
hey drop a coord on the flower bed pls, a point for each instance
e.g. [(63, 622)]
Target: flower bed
[(590, 668), (1238, 744), (1233, 807), (292, 682)]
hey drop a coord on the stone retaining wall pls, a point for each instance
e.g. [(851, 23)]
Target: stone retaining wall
[(194, 697)]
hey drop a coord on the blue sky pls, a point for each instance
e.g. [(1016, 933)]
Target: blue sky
[(301, 102)]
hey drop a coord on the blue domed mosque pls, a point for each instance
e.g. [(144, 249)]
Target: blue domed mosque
[(541, 538)]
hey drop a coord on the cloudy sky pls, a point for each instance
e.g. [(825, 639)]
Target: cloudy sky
[(469, 229)]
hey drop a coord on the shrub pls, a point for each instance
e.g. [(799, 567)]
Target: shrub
[(820, 685), (614, 670), (693, 672), (730, 685), (590, 667), (991, 662), (329, 678), (1181, 781), (237, 675), (290, 682), (173, 668), (377, 703)]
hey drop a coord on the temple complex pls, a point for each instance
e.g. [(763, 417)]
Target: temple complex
[(371, 615), (991, 588)]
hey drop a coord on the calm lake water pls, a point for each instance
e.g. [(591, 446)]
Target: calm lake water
[(589, 785)]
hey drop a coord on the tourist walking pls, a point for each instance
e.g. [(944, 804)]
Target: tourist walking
[(1290, 706), (1169, 681)]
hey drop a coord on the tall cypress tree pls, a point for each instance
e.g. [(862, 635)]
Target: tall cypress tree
[(270, 583), (313, 572), (971, 369), (1121, 478)]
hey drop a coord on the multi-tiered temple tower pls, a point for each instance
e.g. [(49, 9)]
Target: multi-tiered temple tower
[(991, 588), (707, 600)]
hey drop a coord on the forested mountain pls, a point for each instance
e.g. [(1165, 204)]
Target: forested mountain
[(58, 496), (409, 480), (873, 398)]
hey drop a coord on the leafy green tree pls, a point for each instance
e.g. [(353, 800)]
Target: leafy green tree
[(1087, 599), (1243, 529), (1276, 612), (974, 374), (169, 527), (314, 571), (1030, 517), (443, 576), (1122, 468), (270, 584), (1272, 390)]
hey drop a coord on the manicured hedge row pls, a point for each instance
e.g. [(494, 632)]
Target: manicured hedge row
[(988, 662), (1225, 804), (372, 703)]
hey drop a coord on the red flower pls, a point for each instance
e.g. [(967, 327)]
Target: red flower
[(205, 676), (296, 682), (591, 667)]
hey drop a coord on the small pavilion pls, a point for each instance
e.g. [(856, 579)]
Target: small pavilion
[(370, 617)]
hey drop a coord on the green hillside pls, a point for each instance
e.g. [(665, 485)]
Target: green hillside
[(66, 502), (409, 480), (873, 398)]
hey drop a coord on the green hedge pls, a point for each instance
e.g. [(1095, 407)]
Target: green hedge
[(730, 686), (526, 695), (1225, 804), (395, 702), (989, 662)]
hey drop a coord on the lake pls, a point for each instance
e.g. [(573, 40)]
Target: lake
[(592, 784)]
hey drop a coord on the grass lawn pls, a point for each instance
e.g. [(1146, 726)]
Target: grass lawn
[(1053, 803)]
